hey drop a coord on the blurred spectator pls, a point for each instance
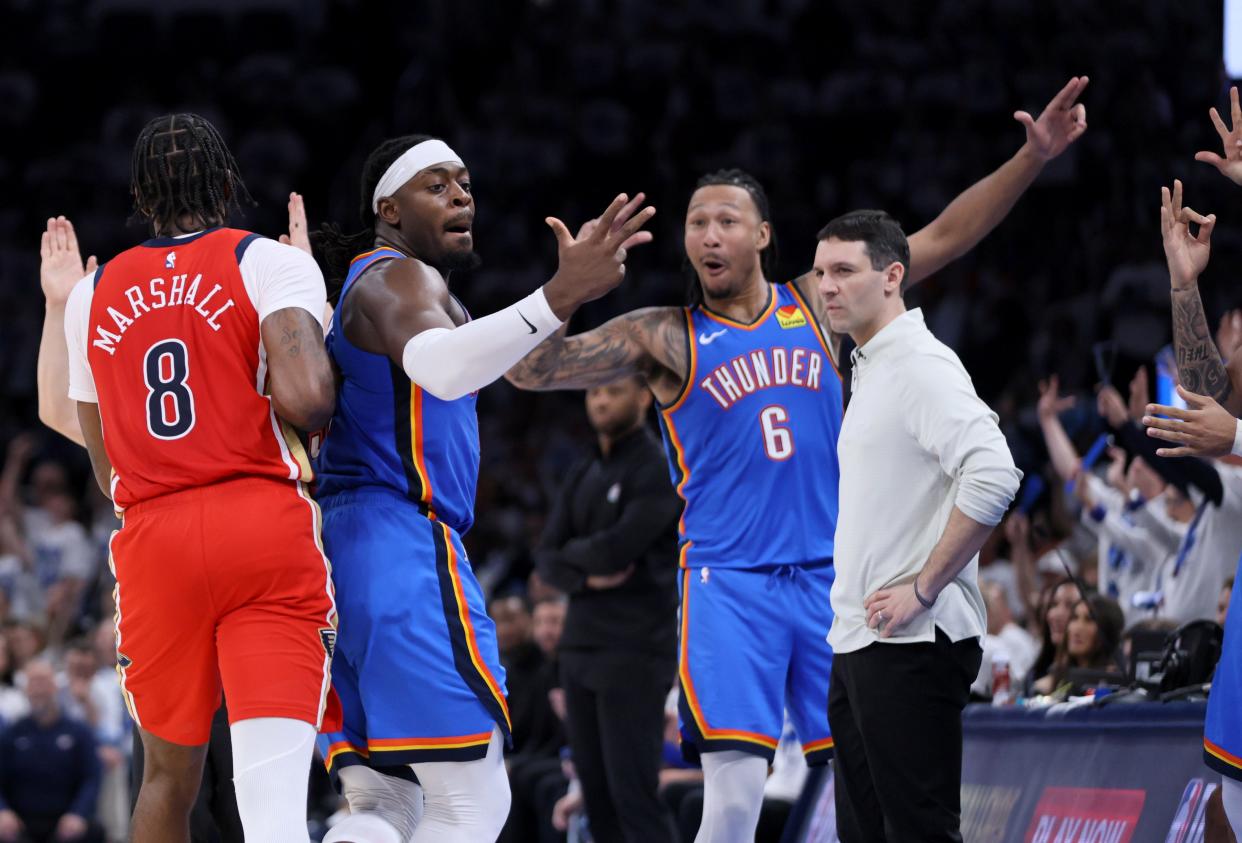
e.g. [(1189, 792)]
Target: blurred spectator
[(13, 703), (1091, 642), (1004, 640), (1055, 608), (49, 770)]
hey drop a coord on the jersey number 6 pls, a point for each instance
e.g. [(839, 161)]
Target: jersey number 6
[(777, 440), (170, 403)]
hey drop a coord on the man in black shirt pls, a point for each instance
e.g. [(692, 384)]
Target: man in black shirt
[(610, 544)]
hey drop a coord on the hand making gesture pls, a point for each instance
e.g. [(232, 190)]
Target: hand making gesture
[(1230, 163), (1061, 122), (1187, 254), (593, 263)]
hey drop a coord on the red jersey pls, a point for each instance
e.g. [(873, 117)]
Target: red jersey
[(165, 338)]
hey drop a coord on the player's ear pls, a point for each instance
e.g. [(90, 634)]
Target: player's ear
[(894, 278), (764, 236), (388, 212)]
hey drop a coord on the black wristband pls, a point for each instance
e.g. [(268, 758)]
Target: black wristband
[(923, 601)]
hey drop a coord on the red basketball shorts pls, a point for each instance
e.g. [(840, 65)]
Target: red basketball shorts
[(223, 587)]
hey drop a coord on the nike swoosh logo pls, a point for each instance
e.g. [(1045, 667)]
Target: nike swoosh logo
[(708, 339), (527, 321)]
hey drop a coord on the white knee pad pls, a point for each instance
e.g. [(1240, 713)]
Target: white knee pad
[(732, 796), (1231, 796), (271, 768), (464, 801), (383, 809)]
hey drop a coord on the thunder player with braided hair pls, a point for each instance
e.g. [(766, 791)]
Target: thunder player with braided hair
[(417, 667), (750, 407), (192, 357)]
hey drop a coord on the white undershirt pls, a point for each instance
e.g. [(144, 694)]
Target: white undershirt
[(916, 442)]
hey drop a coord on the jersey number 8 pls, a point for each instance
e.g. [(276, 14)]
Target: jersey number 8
[(777, 440), (170, 403)]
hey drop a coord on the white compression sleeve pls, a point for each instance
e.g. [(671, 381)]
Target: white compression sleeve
[(383, 808), (732, 796), (452, 363), (464, 801), (271, 757)]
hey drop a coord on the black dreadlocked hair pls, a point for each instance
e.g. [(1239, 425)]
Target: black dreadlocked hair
[(182, 168), (734, 177), (333, 248)]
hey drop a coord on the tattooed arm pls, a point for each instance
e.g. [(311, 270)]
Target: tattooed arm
[(1199, 364), (651, 342), (302, 385)]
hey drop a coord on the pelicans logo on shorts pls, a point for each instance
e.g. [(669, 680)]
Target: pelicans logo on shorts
[(327, 635), (123, 660), (790, 316)]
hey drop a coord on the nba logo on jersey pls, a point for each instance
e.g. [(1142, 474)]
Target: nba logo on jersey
[(170, 260), (790, 316)]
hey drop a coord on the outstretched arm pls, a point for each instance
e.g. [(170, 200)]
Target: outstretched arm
[(635, 343), (1060, 449), (969, 217)]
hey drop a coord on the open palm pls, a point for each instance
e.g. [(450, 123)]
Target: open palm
[(60, 266)]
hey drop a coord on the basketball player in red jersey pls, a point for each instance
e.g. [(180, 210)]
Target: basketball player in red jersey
[(190, 356)]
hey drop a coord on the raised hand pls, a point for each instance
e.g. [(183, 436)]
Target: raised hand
[(1204, 429), (1187, 254), (1112, 407), (298, 235), (1229, 164), (593, 263), (1061, 122), (60, 266), (1051, 404)]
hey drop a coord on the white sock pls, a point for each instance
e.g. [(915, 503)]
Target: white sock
[(464, 801), (732, 796), (271, 769), (1231, 796), (383, 809)]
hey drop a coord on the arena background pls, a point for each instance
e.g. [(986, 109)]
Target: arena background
[(557, 105)]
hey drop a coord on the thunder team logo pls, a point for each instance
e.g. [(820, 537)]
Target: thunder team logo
[(790, 316)]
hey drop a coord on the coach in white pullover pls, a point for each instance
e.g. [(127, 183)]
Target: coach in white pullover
[(925, 476)]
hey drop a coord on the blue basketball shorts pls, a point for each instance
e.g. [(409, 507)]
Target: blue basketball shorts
[(753, 644), (1222, 731), (416, 668)]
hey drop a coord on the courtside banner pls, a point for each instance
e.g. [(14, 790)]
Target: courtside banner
[(1121, 773)]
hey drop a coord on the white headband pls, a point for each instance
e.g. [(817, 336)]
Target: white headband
[(416, 158)]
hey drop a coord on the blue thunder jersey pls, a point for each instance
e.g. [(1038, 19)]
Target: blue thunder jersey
[(388, 432), (752, 439)]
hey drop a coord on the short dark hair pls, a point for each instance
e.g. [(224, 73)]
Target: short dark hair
[(181, 166), (733, 177), (885, 241)]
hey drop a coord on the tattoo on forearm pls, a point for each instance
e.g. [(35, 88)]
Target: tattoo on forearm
[(597, 357), (1198, 362)]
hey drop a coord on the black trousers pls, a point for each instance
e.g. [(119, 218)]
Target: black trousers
[(896, 717), (615, 702)]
